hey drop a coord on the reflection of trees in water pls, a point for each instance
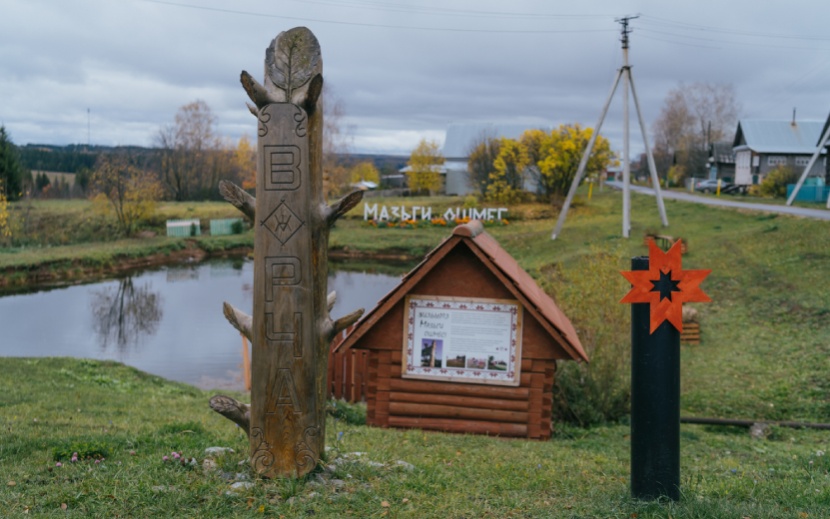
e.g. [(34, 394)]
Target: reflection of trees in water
[(124, 314)]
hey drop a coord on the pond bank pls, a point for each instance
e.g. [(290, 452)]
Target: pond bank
[(51, 273), (71, 271)]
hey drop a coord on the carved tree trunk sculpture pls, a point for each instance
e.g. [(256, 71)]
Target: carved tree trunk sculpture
[(291, 329)]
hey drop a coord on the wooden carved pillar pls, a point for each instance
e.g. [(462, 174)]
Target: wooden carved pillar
[(290, 329), (285, 423)]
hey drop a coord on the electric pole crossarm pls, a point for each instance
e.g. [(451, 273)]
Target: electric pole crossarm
[(651, 167), (584, 161)]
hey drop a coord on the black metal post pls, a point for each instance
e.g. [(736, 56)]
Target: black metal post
[(655, 404)]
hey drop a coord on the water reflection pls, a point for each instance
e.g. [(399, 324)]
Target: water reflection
[(166, 321), (125, 314)]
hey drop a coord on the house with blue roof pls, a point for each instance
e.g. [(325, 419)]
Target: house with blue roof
[(761, 146)]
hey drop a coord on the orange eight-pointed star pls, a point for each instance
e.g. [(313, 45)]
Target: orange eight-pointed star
[(665, 286)]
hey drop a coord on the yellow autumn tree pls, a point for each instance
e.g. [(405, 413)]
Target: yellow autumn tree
[(244, 161), (506, 180), (365, 170), (425, 167), (131, 192), (560, 154), (532, 141), (5, 220)]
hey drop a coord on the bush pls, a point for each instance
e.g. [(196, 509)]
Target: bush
[(238, 227), (775, 183), (598, 392), (353, 414), (677, 175)]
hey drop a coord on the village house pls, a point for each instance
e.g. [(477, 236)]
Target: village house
[(761, 146)]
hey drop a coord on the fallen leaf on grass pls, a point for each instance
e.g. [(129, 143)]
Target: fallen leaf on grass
[(384, 504), (63, 506), (11, 483), (405, 500)]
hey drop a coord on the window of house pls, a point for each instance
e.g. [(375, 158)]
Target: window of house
[(776, 160), (802, 161)]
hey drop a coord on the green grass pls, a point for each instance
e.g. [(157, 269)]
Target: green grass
[(765, 355), (51, 223), (65, 240), (54, 407)]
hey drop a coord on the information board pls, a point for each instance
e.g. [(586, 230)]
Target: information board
[(469, 340)]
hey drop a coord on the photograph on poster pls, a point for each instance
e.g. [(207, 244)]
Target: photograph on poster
[(462, 340), (431, 353)]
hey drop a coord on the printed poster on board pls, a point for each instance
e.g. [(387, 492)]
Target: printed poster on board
[(462, 340)]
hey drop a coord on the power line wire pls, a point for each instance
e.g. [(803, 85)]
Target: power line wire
[(394, 7), (731, 31), (383, 26), (723, 41)]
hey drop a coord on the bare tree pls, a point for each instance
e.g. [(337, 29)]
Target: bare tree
[(131, 192), (693, 116), (193, 155), (336, 144), (482, 157)]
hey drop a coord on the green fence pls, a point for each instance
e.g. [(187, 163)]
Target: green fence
[(226, 226), (183, 228), (810, 193)]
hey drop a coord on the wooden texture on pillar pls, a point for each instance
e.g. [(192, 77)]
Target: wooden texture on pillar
[(285, 422), (290, 329)]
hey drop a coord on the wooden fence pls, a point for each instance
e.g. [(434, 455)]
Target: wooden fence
[(348, 372)]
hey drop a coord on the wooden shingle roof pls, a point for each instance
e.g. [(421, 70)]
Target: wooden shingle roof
[(503, 266)]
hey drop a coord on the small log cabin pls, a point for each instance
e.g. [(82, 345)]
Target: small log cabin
[(467, 342)]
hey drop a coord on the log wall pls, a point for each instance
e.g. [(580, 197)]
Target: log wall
[(523, 411), (690, 333)]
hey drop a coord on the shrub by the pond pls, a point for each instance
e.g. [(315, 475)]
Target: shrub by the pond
[(598, 392)]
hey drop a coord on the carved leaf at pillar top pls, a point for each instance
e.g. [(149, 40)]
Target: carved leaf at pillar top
[(292, 59)]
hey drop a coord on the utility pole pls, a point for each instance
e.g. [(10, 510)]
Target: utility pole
[(623, 72)]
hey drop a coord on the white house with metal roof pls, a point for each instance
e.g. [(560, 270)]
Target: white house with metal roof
[(761, 146), (459, 142)]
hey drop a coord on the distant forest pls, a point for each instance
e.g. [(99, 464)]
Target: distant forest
[(75, 158)]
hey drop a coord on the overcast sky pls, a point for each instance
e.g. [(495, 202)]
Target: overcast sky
[(404, 69)]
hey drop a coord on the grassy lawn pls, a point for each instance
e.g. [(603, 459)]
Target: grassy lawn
[(53, 408), (765, 355)]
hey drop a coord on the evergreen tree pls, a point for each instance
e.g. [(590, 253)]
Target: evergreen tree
[(11, 172), (41, 181)]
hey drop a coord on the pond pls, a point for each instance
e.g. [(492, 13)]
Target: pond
[(166, 321)]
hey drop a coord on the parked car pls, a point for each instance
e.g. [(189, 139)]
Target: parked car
[(711, 186)]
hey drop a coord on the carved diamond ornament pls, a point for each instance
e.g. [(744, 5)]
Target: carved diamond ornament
[(665, 286), (283, 222)]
